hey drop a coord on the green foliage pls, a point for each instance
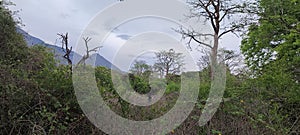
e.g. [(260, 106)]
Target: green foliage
[(172, 87), (268, 99), (204, 84), (104, 80), (11, 42), (36, 95), (272, 51), (275, 37), (139, 84)]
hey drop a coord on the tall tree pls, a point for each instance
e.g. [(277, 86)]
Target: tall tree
[(272, 51), (225, 16), (168, 62), (12, 45), (276, 36)]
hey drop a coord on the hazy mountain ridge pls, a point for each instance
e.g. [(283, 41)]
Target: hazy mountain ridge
[(58, 51)]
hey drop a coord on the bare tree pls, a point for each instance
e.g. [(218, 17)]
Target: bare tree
[(65, 47), (88, 51), (204, 60), (225, 16), (230, 58), (168, 62)]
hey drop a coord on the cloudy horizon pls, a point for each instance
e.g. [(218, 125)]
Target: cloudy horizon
[(44, 19)]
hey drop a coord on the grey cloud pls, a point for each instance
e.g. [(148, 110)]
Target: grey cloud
[(64, 15), (124, 36)]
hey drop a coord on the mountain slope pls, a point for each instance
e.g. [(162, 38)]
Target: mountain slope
[(58, 52)]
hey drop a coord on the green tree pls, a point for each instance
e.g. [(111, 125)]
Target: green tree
[(276, 36), (13, 47), (272, 50)]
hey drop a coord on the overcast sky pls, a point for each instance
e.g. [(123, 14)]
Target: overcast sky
[(44, 19)]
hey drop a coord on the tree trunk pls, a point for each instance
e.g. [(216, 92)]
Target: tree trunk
[(214, 56)]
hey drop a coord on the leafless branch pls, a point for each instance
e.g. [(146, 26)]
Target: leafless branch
[(88, 51), (192, 36), (227, 31), (65, 47)]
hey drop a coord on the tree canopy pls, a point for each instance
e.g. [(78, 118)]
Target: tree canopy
[(275, 37), (168, 62)]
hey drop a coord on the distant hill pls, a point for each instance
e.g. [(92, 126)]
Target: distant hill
[(30, 40), (58, 52)]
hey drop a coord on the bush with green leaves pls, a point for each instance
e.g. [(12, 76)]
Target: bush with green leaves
[(139, 84), (172, 87)]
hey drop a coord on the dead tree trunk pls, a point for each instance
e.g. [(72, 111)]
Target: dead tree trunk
[(216, 12), (65, 47), (87, 55)]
